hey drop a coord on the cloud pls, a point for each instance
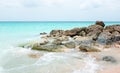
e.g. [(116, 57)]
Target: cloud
[(80, 4)]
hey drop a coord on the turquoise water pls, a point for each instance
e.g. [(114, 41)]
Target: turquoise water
[(14, 59)]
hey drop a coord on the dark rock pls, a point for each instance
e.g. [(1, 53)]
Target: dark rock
[(101, 23), (108, 38), (43, 33), (113, 28), (105, 38), (94, 30), (57, 33), (49, 48), (70, 44), (86, 48), (109, 59), (72, 32)]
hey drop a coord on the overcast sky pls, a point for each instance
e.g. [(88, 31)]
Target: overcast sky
[(59, 10)]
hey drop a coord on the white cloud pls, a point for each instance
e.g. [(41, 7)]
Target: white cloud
[(59, 9), (82, 4)]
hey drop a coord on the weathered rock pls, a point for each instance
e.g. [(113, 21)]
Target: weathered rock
[(113, 28), (86, 48), (94, 30), (108, 38), (72, 32), (49, 48), (70, 44), (101, 23), (57, 33), (57, 42), (109, 59), (105, 38)]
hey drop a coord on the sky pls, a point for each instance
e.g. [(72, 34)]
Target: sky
[(59, 10)]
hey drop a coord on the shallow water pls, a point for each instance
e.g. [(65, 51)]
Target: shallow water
[(14, 59)]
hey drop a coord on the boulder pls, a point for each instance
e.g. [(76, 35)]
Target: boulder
[(86, 48), (109, 59), (108, 38), (94, 30), (72, 32), (112, 28), (70, 44), (57, 33), (101, 23), (49, 48)]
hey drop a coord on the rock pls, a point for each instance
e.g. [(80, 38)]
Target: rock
[(57, 33), (105, 38), (72, 32), (43, 41), (108, 38), (49, 48), (94, 30), (57, 42), (101, 23), (82, 33), (70, 44), (109, 59), (85, 48), (43, 33), (113, 28)]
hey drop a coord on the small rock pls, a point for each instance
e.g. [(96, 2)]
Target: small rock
[(43, 33), (86, 48), (109, 59)]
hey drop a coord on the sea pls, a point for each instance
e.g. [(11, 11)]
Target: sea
[(15, 59)]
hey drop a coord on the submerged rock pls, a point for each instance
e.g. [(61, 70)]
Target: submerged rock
[(49, 48), (86, 48), (109, 59)]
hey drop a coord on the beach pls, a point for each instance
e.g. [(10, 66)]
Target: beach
[(59, 47)]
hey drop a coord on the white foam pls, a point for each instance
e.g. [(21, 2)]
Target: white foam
[(91, 66)]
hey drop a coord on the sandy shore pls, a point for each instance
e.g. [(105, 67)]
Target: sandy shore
[(108, 67)]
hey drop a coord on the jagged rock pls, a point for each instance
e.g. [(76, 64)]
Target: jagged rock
[(108, 38), (49, 48), (101, 23), (72, 32), (70, 44), (86, 48), (94, 30), (109, 59), (57, 33), (112, 28)]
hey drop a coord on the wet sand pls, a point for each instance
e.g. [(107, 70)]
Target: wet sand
[(108, 67)]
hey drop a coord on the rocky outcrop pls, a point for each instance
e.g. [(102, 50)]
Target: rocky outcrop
[(84, 38)]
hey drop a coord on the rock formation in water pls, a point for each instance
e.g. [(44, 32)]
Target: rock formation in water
[(85, 39)]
